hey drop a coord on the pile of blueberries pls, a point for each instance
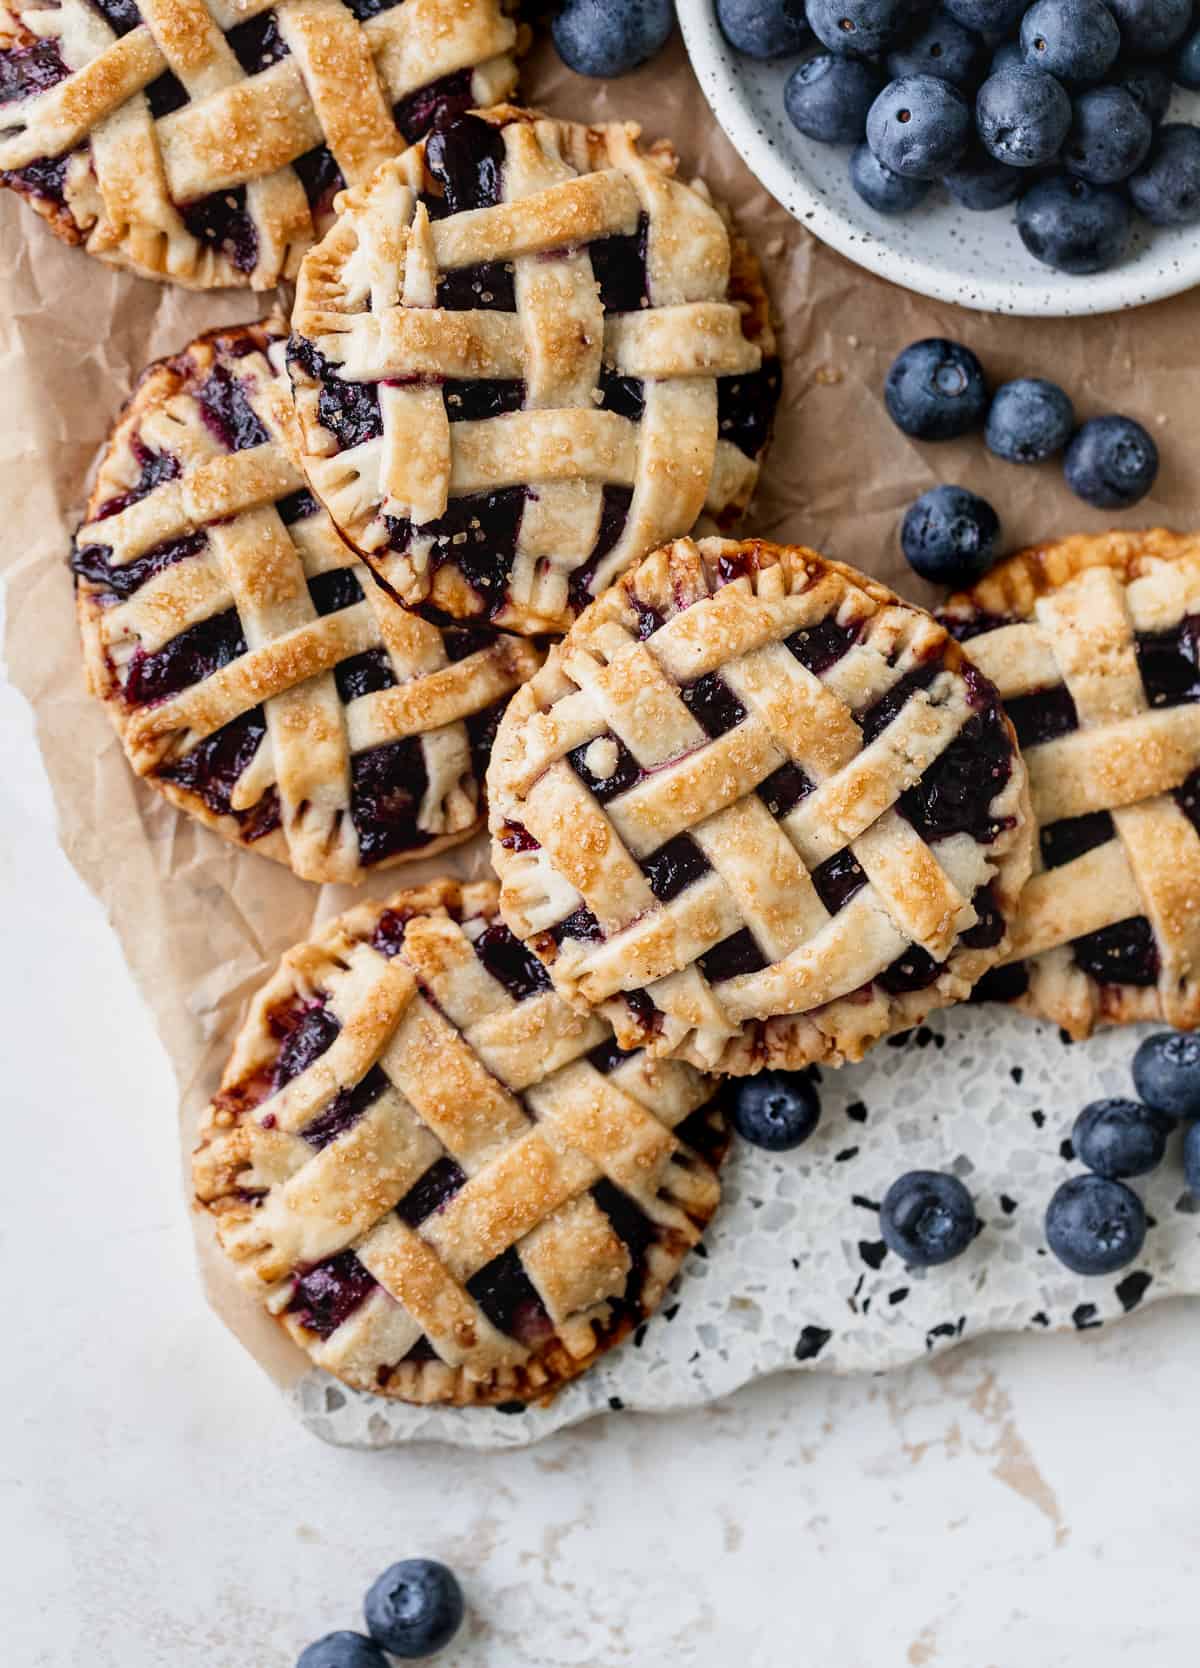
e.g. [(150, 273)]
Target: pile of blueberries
[(937, 390), (1094, 1223), (1057, 106), (412, 1611)]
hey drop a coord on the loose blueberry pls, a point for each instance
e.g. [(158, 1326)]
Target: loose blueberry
[(936, 390), (775, 1110), (885, 192), (1166, 1073), (990, 17), (1166, 188), (1185, 66), (919, 126), (1075, 40), (1023, 116), (607, 38), (1008, 56), (342, 1650), (764, 28), (1151, 27), (1112, 463), (942, 48), (927, 1218), (980, 183), (1119, 1138), (862, 27), (828, 98), (1149, 85), (1110, 135), (949, 536), (1191, 1157), (1030, 420), (1072, 226), (415, 1608), (1095, 1226)]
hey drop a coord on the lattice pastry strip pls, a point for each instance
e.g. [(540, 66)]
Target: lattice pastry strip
[(525, 354), (1094, 645), (204, 141), (757, 810), (444, 1183), (255, 672)]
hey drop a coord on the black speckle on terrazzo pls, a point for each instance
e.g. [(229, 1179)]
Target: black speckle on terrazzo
[(639, 1337), (899, 1040), (1065, 1038), (1085, 1317), (846, 1154), (1017, 1073), (898, 1296), (1040, 1319), (1038, 1116), (872, 1252), (1132, 1289), (669, 1314), (1067, 1150), (1007, 1205), (812, 1341), (1188, 1204), (615, 1404), (863, 1202), (510, 1407), (858, 1111)]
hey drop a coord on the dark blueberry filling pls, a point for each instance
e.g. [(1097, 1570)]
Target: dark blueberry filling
[(489, 287), (1002, 984), (784, 789), (214, 767), (507, 1297), (704, 1134), (473, 402), (257, 43), (122, 579), (195, 654), (516, 837), (1123, 954), (435, 1188), (963, 630), (364, 674), (431, 106), (624, 395), (989, 929), (297, 506), (26, 70), (619, 263), (511, 964), (624, 777), (609, 1055), (388, 937), (491, 523), (334, 590), (155, 467), (821, 646), (632, 1227), (320, 176), (165, 94), (581, 924), (740, 566), (227, 412), (713, 705), (732, 957), (614, 513), (1062, 842), (349, 410), (330, 1293), (466, 158), (838, 879), (746, 407), (481, 737), (915, 969), (345, 1110), (387, 785), (889, 707), (674, 867), (1044, 716), (642, 1006), (421, 1352), (1169, 662), (221, 222), (649, 620), (46, 178), (363, 9), (955, 794), (307, 1033), (461, 641), (1187, 798), (122, 15)]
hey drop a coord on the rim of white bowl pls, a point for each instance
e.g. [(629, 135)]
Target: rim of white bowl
[(1134, 284)]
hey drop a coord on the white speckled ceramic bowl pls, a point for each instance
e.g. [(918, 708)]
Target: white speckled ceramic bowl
[(941, 250)]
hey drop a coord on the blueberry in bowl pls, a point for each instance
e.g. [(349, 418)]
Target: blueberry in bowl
[(1166, 188), (1075, 40), (942, 47), (1109, 137), (886, 192), (1023, 116), (765, 29), (919, 126), (1151, 27), (1095, 1226), (864, 28), (1073, 226), (927, 1218), (827, 98)]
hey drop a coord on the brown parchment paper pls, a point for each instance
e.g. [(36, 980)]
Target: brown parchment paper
[(201, 923)]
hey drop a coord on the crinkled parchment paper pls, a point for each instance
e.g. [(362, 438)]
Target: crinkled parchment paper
[(786, 1280)]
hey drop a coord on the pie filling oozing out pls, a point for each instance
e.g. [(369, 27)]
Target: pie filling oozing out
[(445, 1184), (1094, 644), (563, 359), (208, 146), (757, 810), (253, 668)]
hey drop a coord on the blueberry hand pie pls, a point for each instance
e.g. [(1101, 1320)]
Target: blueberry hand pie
[(256, 674), (447, 1185), (757, 810), (523, 357), (204, 140), (1094, 645)]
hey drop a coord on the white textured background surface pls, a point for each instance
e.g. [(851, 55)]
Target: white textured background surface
[(1031, 1501)]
